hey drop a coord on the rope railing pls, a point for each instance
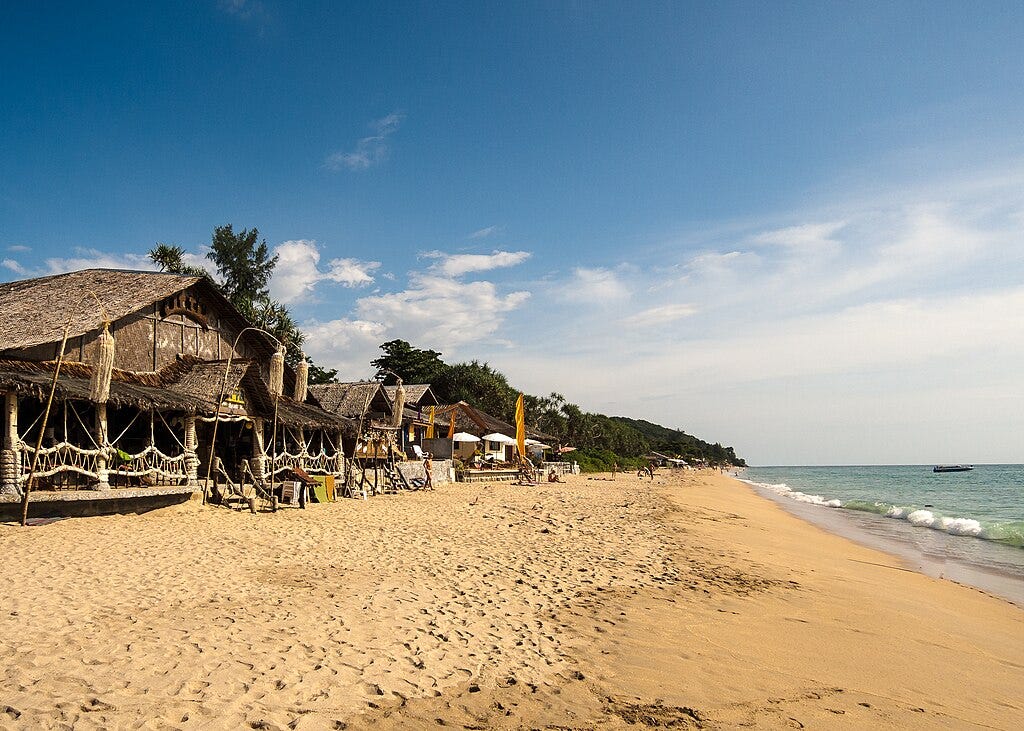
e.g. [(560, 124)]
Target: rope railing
[(323, 463), (151, 461), (63, 457), (66, 457)]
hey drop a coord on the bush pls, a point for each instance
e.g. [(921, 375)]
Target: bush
[(601, 460)]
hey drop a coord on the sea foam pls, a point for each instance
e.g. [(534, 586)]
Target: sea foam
[(783, 489), (1010, 533)]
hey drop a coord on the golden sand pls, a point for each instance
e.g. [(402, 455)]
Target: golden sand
[(689, 602)]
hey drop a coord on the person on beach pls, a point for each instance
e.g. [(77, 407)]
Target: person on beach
[(615, 469), (553, 476), (428, 469)]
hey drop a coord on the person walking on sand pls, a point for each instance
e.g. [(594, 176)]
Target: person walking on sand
[(428, 470), (615, 469)]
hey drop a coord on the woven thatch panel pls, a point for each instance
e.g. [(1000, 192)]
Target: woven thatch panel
[(417, 395), (133, 337), (210, 345), (352, 400)]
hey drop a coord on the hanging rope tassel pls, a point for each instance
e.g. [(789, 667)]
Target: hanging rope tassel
[(99, 384), (277, 372), (399, 403), (301, 379)]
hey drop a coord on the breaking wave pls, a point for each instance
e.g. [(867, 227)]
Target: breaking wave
[(1010, 533)]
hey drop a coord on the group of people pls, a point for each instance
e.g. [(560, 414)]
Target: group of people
[(644, 471)]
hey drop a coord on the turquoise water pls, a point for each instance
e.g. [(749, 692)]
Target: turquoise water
[(986, 503)]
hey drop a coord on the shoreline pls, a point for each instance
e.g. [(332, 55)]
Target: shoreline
[(596, 604), (898, 542)]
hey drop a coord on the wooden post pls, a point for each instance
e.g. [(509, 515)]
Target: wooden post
[(341, 472), (258, 465), (191, 458), (302, 448), (101, 439), (10, 457)]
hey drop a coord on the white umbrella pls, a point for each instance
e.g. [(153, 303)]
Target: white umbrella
[(537, 445), (499, 438), (464, 437)]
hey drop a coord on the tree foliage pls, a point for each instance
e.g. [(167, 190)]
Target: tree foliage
[(171, 259), (602, 440), (411, 364), (244, 264)]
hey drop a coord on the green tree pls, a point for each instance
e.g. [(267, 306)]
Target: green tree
[(478, 384), (243, 263), (411, 364), (274, 317), (171, 259), (321, 375)]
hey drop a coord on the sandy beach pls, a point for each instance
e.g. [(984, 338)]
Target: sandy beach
[(686, 602)]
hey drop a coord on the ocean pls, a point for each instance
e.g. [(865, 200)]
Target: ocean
[(968, 526)]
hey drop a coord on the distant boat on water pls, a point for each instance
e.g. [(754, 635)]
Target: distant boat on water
[(952, 468)]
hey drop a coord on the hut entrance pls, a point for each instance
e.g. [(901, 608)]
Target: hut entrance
[(234, 446)]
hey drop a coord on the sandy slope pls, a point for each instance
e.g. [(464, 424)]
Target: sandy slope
[(596, 604)]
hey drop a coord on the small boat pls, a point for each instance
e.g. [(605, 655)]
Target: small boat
[(952, 468)]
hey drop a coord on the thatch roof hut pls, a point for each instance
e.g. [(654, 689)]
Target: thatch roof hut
[(418, 396), (360, 399)]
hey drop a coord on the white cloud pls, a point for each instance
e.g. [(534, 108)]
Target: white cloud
[(369, 151), (804, 238), (298, 271), (441, 310), (660, 315), (244, 9), (484, 232), (351, 272), (19, 248), (95, 259), (15, 267), (595, 285), (455, 265), (346, 344)]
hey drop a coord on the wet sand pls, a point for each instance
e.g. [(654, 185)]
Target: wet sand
[(689, 602)]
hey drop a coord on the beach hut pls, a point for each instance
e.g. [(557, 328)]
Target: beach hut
[(415, 419), (140, 365)]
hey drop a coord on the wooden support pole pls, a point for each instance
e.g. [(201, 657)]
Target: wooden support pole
[(101, 439), (191, 458), (258, 460), (10, 457)]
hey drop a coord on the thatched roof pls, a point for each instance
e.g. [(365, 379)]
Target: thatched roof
[(35, 311), (136, 390), (205, 379), (309, 416), (416, 394), (352, 400), (188, 384), (474, 421)]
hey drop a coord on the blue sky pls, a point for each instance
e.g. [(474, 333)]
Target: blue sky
[(795, 228)]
